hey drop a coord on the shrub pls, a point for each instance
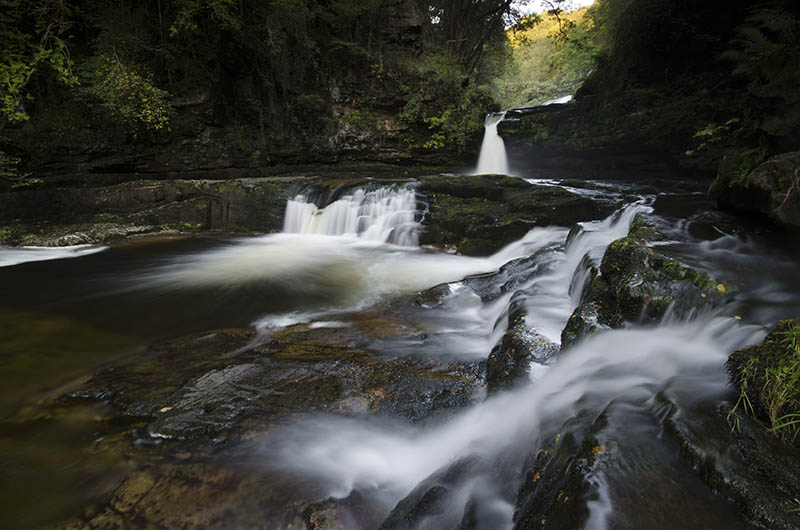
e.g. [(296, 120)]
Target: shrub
[(129, 96)]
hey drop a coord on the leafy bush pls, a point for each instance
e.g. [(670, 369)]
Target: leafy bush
[(459, 123), (768, 53), (551, 57), (130, 97), (26, 54)]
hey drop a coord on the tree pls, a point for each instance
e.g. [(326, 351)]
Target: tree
[(33, 40)]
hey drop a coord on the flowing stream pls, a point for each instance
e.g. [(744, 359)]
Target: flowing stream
[(336, 262)]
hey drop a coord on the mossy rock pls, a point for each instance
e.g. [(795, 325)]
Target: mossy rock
[(646, 283), (586, 320), (556, 485), (637, 283), (480, 214), (747, 183)]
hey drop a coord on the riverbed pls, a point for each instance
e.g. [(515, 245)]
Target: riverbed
[(336, 371)]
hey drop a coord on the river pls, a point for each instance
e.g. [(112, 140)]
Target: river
[(71, 313)]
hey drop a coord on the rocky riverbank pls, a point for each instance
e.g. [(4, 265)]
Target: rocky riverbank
[(473, 215), (183, 423)]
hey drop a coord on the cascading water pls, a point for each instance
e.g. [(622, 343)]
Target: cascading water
[(385, 215), (605, 372), (492, 158), (393, 348)]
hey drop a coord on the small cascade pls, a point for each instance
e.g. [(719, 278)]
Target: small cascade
[(386, 215), (557, 101), (492, 158)]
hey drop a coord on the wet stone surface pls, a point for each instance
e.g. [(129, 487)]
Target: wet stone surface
[(509, 363), (638, 284), (186, 410), (739, 459), (479, 215), (203, 387)]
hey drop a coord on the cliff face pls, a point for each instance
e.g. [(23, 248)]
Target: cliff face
[(346, 97)]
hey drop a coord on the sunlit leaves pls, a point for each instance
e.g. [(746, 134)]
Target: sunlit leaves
[(32, 41), (129, 96)]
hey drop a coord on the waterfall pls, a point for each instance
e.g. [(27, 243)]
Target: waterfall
[(385, 215), (624, 368), (492, 158), (557, 101)]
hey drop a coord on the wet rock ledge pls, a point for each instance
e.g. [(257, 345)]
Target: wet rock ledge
[(481, 214), (477, 215), (73, 215), (196, 413), (636, 283)]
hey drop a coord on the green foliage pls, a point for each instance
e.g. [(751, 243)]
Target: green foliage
[(362, 119), (130, 97), (459, 123), (768, 53), (32, 42), (469, 31), (411, 110), (221, 11), (552, 55), (773, 378), (274, 73)]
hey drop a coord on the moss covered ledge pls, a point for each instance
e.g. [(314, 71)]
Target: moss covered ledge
[(767, 377), (636, 283), (478, 215)]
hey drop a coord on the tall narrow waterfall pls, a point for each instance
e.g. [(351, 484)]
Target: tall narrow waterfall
[(493, 151), (386, 215)]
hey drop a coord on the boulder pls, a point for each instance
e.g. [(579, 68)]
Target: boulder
[(478, 215), (736, 457), (510, 361), (636, 283), (770, 188)]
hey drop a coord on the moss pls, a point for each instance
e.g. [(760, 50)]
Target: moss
[(494, 209), (767, 376), (642, 230), (476, 246), (28, 240)]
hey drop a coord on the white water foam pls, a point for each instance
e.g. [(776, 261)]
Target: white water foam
[(345, 454), (386, 215), (16, 255), (557, 101), (471, 327), (354, 271), (492, 158)]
